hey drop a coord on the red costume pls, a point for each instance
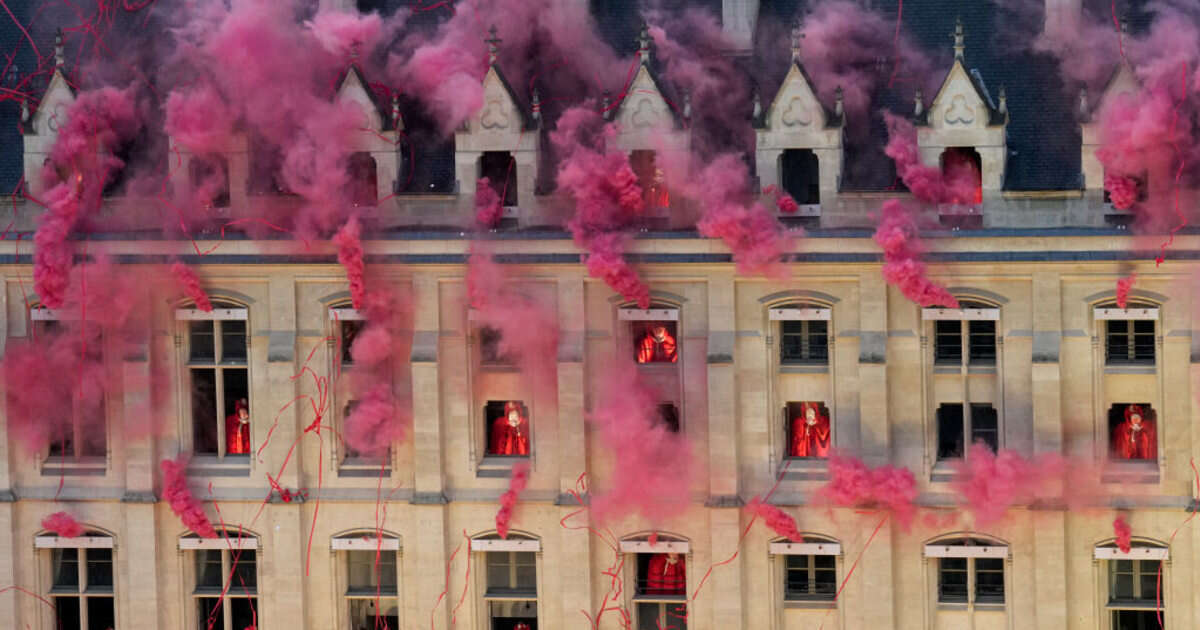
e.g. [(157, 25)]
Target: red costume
[(658, 346), (521, 626), (666, 574), (237, 430), (510, 432), (1135, 437), (656, 193), (810, 433)]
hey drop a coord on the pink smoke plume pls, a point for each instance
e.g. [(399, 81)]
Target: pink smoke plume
[(81, 163), (758, 241), (63, 524), (651, 465), (183, 503), (350, 255), (1122, 190), (959, 184), (190, 283), (378, 419), (608, 199), (990, 483), (779, 521), (853, 484), (508, 500), (1124, 534), (902, 266), (488, 209), (199, 119), (346, 35), (1124, 286), (783, 201)]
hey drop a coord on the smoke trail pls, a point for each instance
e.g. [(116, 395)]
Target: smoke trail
[(508, 500), (779, 521), (1124, 534), (63, 524), (902, 266), (350, 256), (853, 484), (183, 503), (190, 283)]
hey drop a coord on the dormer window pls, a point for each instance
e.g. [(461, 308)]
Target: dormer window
[(209, 179), (364, 179), (266, 170), (963, 173), (800, 175), (651, 179), (500, 169)]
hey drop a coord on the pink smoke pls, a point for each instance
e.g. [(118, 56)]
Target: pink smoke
[(1124, 534), (853, 484), (779, 521), (783, 201), (183, 503), (63, 524), (608, 199), (902, 266), (190, 283), (379, 418), (199, 120), (959, 184), (1122, 190), (758, 241), (488, 209), (1124, 286), (371, 427), (651, 466), (350, 255), (80, 165), (346, 35), (990, 483), (508, 500)]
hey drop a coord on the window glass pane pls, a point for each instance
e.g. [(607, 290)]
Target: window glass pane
[(1148, 579), (67, 610), (952, 579), (201, 348), (989, 580), (363, 614), (99, 569), (651, 616), (947, 341), (100, 613), (233, 341), (984, 421), (350, 330), (1122, 586), (498, 571), (526, 570), (366, 573), (243, 612), (208, 569), (245, 570), (66, 569), (204, 410), (208, 613), (950, 431), (981, 342)]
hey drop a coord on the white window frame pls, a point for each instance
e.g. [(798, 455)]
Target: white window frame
[(661, 314), (936, 552), (1105, 314), (510, 546), (227, 543), (681, 547), (805, 549), (371, 542), (785, 314), (216, 316), (42, 314), (1138, 552), (52, 544)]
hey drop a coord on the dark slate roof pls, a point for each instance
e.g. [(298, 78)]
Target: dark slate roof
[(13, 41)]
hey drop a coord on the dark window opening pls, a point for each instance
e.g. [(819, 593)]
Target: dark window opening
[(668, 417), (1133, 431), (979, 580), (952, 580), (83, 600), (507, 428), (661, 616), (135, 156), (985, 426), (500, 169), (348, 330), (989, 580), (266, 170), (368, 575), (661, 574), (810, 578), (364, 179), (491, 347), (1133, 582), (947, 341), (800, 175), (1136, 620), (951, 430), (807, 429), (655, 342), (511, 574), (963, 173), (1129, 342), (424, 154), (226, 588), (209, 179), (804, 342), (651, 179), (981, 340), (220, 388)]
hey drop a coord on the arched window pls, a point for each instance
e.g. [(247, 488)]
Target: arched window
[(218, 378), (660, 586), (809, 568), (81, 585), (970, 570), (223, 573), (368, 574), (511, 567), (1133, 580)]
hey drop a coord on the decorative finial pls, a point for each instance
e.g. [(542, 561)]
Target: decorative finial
[(1003, 106), (60, 57), (537, 106), (493, 45), (644, 44), (606, 105), (918, 104), (687, 105), (757, 112), (959, 39), (396, 121), (1085, 109), (797, 36), (24, 111), (839, 107)]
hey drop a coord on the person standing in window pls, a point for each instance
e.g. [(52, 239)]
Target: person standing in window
[(237, 429), (521, 626), (510, 432), (810, 433), (1135, 438), (666, 574), (656, 193), (658, 346)]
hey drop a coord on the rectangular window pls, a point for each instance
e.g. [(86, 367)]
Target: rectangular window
[(950, 431), (507, 428), (500, 169), (800, 175), (83, 599), (668, 416), (347, 332), (1133, 582), (1133, 432), (975, 579), (217, 354), (662, 616), (810, 578), (1129, 342), (511, 594), (952, 580), (490, 348), (85, 435), (948, 342), (804, 342), (234, 572), (655, 341), (371, 589), (989, 580), (807, 429), (983, 426), (981, 342)]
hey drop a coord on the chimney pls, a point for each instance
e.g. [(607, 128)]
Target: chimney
[(1062, 17), (738, 21)]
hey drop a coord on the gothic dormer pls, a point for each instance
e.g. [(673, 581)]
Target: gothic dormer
[(500, 141), (648, 114), (964, 122), (799, 140), (1121, 84), (40, 124)]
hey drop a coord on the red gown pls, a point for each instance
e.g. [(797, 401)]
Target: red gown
[(237, 436), (521, 626), (1130, 444), (810, 441), (665, 578), (652, 351), (510, 440)]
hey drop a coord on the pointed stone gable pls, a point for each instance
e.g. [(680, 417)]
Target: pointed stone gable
[(959, 103), (500, 114), (354, 90), (1121, 84), (644, 108), (52, 111), (796, 107)]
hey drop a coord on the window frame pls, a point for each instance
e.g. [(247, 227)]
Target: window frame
[(223, 310), (970, 312), (806, 313), (487, 431), (788, 416), (813, 181), (971, 549), (1130, 317), (632, 318), (636, 597), (93, 541), (516, 543), (342, 547), (346, 463), (39, 318), (968, 417), (227, 543)]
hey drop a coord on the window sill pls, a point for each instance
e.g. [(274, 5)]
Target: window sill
[(498, 367), (74, 467), (510, 595), (805, 468), (370, 592), (365, 467), (212, 466), (1131, 605), (947, 368), (801, 368), (944, 470), (981, 368), (240, 591), (812, 604), (1126, 368), (997, 606), (1130, 472), (498, 466), (952, 605), (667, 599), (658, 365)]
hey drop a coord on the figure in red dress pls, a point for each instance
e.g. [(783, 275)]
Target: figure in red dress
[(666, 574), (656, 193), (510, 432), (237, 429), (521, 625), (1135, 438), (810, 433), (658, 346)]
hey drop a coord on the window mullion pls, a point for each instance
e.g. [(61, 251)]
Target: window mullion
[(226, 606)]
